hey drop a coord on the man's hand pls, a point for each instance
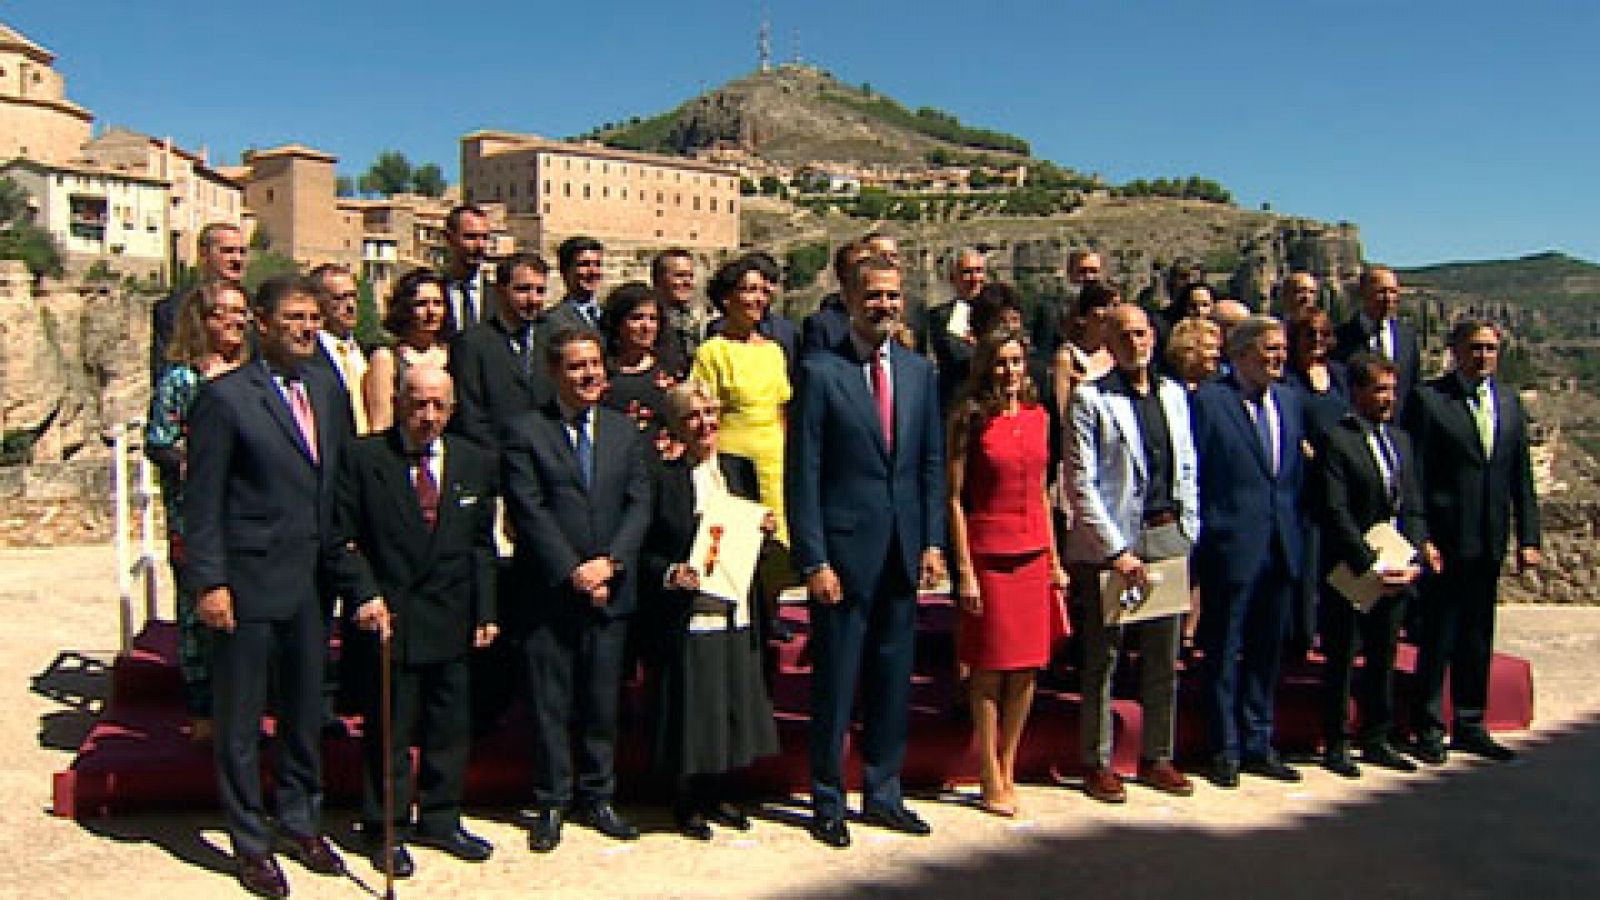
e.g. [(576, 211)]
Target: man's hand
[(823, 586), (592, 574), (216, 608), (600, 596), (373, 615), (484, 635), (1529, 558), (683, 577), (932, 569), (1131, 570), (1430, 555), (1397, 580)]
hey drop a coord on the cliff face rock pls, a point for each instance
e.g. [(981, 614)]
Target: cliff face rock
[(71, 364)]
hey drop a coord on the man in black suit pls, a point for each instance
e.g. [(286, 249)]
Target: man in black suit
[(685, 314), (337, 348), (829, 326), (1472, 437), (582, 263), (578, 497), (413, 550), (1045, 326), (466, 246), (1377, 329), (223, 252), (866, 513), (264, 442), (498, 364), (949, 336), (1365, 473)]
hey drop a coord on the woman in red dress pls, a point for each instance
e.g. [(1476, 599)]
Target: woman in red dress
[(1008, 574)]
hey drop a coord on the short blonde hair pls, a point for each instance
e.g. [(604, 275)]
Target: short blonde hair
[(680, 401), (1186, 338)]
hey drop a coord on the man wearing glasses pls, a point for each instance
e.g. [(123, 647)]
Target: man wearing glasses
[(337, 347)]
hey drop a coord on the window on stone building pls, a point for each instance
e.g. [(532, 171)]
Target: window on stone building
[(547, 209), (713, 204), (547, 187), (566, 189), (586, 192), (697, 203)]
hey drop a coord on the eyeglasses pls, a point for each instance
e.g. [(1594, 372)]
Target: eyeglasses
[(528, 288), (1484, 347), (882, 295), (347, 295)]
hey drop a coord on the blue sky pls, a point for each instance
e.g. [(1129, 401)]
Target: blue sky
[(1446, 130)]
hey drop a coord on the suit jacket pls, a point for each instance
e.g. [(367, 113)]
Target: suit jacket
[(1244, 507), (1471, 498), (848, 496), (256, 506), (1105, 468), (674, 523), (826, 328), (494, 384), (1350, 496), (324, 360), (439, 582), (560, 523), (483, 301), (951, 354), (1352, 337), (566, 315), (163, 319)]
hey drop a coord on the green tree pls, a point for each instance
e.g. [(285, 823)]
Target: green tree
[(21, 239), (428, 180), (344, 186), (802, 263), (265, 262), (369, 329), (389, 174), (13, 202)]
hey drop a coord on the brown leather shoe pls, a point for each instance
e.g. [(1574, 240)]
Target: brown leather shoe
[(261, 876), (1106, 786), (1165, 777), (315, 853)]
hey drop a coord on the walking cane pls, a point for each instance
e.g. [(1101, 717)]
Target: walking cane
[(387, 718)]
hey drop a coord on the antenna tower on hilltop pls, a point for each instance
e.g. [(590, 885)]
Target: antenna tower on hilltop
[(764, 44)]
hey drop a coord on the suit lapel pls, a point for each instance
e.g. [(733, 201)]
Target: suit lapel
[(1247, 426), (395, 475), (278, 408), (1127, 424), (903, 394), (861, 399), (1463, 422)]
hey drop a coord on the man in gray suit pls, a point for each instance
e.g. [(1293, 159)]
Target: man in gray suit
[(1130, 467)]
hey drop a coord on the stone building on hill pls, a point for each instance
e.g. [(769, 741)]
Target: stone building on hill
[(37, 121)]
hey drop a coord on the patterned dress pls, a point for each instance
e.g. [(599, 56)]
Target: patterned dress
[(165, 440)]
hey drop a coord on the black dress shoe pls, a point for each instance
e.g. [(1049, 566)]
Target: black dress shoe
[(1270, 767), (902, 820), (399, 856), (830, 830), (1478, 742), (545, 832), (261, 876), (1336, 759), (603, 817), (1379, 753), (1430, 750), (728, 816), (692, 824), (1224, 773), (314, 852), (460, 843)]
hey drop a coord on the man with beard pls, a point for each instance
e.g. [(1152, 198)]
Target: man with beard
[(578, 491), (264, 441), (466, 242), (583, 269), (867, 518), (1248, 430), (498, 364), (222, 258)]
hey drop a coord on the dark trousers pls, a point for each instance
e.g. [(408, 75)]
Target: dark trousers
[(574, 685), (1242, 628), (431, 709), (1456, 635), (243, 662), (1376, 630), (868, 634)]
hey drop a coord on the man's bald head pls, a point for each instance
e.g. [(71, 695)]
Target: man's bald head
[(426, 400)]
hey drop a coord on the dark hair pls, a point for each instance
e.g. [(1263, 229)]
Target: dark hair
[(1463, 330), (272, 292), (1096, 295), (505, 268), (572, 334), (989, 307), (658, 266), (1182, 306), (1368, 275), (619, 305), (725, 280), (874, 263), (1300, 331), (1366, 366), (402, 310), (452, 219), (845, 256), (979, 400), (567, 253)]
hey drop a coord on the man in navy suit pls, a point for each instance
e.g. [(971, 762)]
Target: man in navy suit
[(577, 494), (830, 324), (1376, 328), (866, 515), (1472, 437), (264, 442), (1248, 435)]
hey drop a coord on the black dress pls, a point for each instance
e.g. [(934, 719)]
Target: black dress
[(712, 710), (642, 396)]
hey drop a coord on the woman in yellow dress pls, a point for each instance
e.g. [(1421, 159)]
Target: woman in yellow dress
[(750, 376)]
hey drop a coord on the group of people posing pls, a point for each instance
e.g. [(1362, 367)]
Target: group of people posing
[(525, 477)]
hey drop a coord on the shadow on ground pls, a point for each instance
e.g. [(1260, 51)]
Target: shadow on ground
[(79, 683), (1524, 829)]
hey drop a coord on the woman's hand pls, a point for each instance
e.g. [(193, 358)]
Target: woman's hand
[(769, 525), (683, 577), (967, 597)]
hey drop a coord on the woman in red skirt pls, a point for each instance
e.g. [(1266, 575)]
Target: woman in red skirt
[(1008, 576)]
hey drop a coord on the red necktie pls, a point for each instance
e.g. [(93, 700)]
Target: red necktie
[(300, 405), (427, 491), (884, 398)]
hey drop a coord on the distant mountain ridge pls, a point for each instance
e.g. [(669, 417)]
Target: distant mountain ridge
[(1535, 279)]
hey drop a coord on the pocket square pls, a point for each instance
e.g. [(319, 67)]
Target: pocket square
[(467, 500)]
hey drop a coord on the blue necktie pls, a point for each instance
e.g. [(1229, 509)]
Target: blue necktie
[(1392, 460), (1264, 431), (584, 447)]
